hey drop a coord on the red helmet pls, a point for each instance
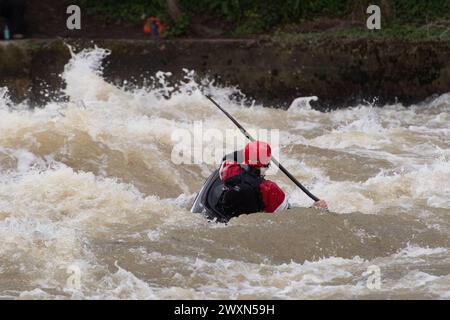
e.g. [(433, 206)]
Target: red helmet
[(257, 153)]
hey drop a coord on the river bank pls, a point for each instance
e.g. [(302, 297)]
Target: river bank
[(341, 72)]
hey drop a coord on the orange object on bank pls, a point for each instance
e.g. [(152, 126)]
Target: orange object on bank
[(153, 26), (147, 28)]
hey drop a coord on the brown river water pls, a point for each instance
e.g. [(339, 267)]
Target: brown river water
[(93, 204)]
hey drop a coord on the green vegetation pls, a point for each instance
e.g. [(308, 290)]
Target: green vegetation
[(401, 18), (118, 11), (287, 39), (396, 31)]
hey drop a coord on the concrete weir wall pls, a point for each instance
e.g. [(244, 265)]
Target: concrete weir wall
[(339, 72)]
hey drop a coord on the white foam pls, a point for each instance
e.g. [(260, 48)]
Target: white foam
[(51, 213)]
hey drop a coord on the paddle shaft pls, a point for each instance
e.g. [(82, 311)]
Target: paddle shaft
[(279, 165)]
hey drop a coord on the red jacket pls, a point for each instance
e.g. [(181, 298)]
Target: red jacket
[(273, 197)]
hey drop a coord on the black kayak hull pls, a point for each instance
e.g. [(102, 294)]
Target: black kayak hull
[(203, 202)]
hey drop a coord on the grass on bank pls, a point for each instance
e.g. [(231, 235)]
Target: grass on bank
[(396, 32)]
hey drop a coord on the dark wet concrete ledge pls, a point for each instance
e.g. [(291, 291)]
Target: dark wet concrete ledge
[(339, 72)]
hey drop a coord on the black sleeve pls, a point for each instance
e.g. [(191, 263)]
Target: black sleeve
[(234, 156)]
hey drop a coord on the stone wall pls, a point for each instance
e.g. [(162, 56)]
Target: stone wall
[(340, 73)]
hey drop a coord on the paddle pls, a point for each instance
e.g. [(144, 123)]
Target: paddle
[(290, 176)]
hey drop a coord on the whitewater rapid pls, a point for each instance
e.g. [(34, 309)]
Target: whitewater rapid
[(92, 204)]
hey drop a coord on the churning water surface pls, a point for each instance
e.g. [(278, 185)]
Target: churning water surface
[(92, 204)]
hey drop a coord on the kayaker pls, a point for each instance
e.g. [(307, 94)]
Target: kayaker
[(245, 189)]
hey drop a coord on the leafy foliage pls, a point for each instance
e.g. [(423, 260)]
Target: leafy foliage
[(118, 11), (256, 16)]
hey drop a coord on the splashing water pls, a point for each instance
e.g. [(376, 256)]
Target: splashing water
[(88, 190)]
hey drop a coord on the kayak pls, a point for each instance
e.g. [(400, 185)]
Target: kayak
[(204, 202)]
